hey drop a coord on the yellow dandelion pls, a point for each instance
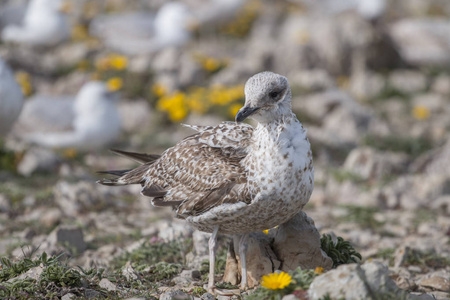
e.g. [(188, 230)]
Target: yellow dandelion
[(421, 112), (177, 114), (159, 90), (114, 84), (234, 109), (319, 270), (24, 80), (118, 62), (266, 231), (276, 281)]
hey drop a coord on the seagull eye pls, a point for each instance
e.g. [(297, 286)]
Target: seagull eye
[(274, 94)]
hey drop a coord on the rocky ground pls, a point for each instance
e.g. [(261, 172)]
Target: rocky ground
[(373, 92)]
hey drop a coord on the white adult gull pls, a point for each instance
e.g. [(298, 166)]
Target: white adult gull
[(43, 25), (233, 178), (92, 118)]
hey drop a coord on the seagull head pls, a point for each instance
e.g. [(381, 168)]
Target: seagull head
[(267, 98)]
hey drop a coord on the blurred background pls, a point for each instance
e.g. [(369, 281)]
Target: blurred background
[(370, 82)]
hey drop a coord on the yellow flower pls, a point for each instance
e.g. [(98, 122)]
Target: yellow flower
[(266, 231), (275, 281), (159, 90), (174, 105), (319, 270), (234, 109), (114, 84), (421, 112), (24, 80), (118, 62)]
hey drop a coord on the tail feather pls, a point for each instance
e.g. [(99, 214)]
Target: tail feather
[(110, 182), (141, 158)]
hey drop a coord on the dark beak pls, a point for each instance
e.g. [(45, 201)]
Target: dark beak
[(245, 112)]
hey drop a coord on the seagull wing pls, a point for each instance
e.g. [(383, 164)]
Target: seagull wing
[(200, 172)]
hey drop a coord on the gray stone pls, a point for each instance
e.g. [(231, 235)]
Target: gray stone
[(107, 285), (200, 242), (175, 295), (4, 203), (129, 273), (289, 297), (51, 217), (38, 159), (68, 296), (408, 81), (33, 273), (68, 236), (90, 293), (439, 281), (414, 296), (260, 260), (353, 282), (191, 274), (297, 244), (441, 85), (207, 296), (75, 198), (371, 164), (423, 41)]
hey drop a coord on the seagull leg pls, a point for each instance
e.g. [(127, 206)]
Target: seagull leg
[(243, 245), (212, 258)]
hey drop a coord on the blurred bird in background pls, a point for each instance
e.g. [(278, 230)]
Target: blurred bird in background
[(90, 121), (44, 24)]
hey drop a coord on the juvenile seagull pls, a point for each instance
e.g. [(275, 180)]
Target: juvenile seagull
[(233, 178)]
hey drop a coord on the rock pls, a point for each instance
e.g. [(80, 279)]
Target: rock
[(371, 164), (175, 295), (354, 282), (414, 296), (129, 273), (51, 217), (366, 85), (176, 229), (312, 80), (440, 161), (439, 281), (441, 84), (4, 204), (191, 274), (401, 254), (405, 283), (68, 296), (297, 244), (407, 81), (207, 296), (33, 273), (107, 285), (289, 297), (260, 260), (75, 198), (68, 236), (90, 293), (38, 159), (423, 42)]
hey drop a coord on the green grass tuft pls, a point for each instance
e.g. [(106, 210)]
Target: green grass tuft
[(341, 253)]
